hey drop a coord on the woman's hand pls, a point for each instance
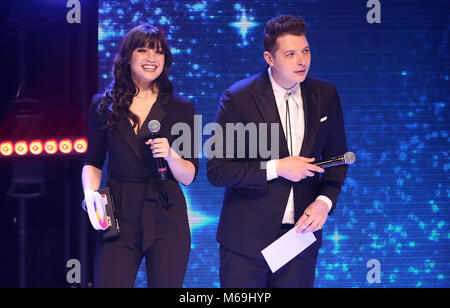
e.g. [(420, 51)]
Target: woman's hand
[(182, 170), (95, 207), (160, 148)]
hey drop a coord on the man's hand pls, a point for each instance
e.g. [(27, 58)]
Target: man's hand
[(296, 168), (313, 218)]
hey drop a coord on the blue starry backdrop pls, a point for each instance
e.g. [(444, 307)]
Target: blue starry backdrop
[(392, 78)]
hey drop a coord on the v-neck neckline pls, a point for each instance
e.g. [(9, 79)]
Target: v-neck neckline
[(136, 134)]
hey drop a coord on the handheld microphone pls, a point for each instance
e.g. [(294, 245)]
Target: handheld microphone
[(154, 126), (346, 159)]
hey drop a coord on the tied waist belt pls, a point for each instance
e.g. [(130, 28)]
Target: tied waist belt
[(156, 190)]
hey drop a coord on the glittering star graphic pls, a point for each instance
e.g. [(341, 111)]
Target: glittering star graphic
[(244, 24), (336, 237), (199, 219)]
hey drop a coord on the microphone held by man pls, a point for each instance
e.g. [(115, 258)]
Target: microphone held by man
[(346, 159)]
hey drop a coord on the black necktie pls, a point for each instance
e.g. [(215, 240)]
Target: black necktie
[(288, 122)]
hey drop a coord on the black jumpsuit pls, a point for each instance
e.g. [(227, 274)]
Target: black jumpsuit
[(152, 214)]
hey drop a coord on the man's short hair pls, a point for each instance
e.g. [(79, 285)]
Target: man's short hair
[(279, 26)]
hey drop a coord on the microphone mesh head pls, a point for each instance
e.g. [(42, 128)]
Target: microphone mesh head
[(154, 126), (349, 158)]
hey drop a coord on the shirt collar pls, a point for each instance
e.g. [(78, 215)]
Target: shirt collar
[(279, 91)]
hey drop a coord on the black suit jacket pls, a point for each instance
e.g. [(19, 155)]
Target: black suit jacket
[(139, 195), (253, 208)]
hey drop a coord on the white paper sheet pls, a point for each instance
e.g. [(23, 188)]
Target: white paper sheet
[(286, 248)]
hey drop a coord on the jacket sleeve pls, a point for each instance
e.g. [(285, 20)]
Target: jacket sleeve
[(97, 137), (224, 168), (333, 178)]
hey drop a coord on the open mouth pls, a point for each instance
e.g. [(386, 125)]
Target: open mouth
[(149, 68)]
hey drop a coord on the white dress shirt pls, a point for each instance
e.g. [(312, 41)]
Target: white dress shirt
[(297, 120)]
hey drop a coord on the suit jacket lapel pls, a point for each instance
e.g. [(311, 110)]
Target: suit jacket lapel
[(158, 112), (125, 128), (311, 107), (266, 103)]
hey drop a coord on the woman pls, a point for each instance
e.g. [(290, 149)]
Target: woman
[(152, 214)]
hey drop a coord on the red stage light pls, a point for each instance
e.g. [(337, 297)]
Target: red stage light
[(51, 146), (65, 146), (80, 145), (21, 147), (6, 148), (36, 147)]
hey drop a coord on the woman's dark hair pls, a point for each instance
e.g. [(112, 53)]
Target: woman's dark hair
[(279, 26), (120, 96)]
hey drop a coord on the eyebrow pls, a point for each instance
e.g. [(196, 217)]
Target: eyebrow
[(157, 48), (292, 50)]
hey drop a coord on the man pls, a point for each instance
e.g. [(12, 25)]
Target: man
[(261, 204)]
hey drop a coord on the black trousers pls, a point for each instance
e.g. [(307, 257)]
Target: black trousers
[(240, 271), (117, 262), (149, 230)]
